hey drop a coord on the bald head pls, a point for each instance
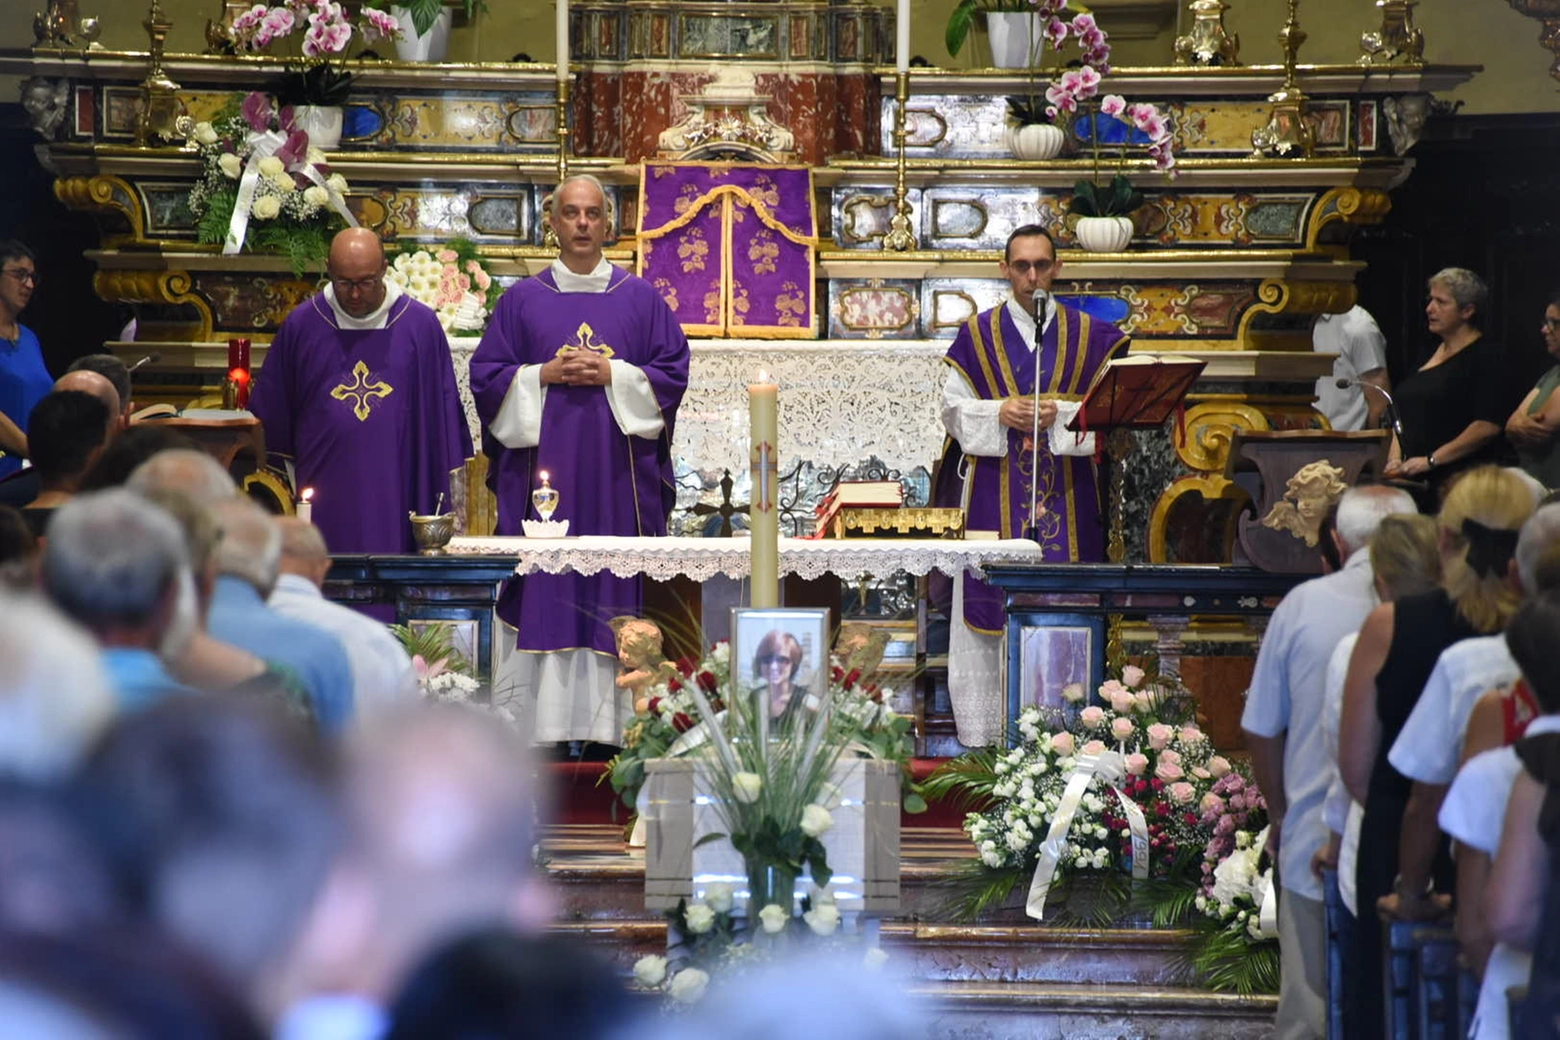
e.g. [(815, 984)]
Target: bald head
[(192, 473), (303, 549), (356, 269), (93, 383)]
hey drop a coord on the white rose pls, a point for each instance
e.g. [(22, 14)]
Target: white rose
[(282, 180), (205, 134), (773, 917), (816, 820), (314, 157), (336, 183), (823, 920), (650, 970), (266, 207), (746, 786), (315, 195), (270, 166), (719, 896), (874, 958), (689, 985), (230, 166), (700, 918)]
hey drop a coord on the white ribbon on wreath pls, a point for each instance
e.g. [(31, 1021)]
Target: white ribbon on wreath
[(1110, 768), (263, 146)]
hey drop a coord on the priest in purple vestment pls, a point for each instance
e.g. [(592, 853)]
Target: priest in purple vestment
[(579, 376), (1006, 403), (358, 389)]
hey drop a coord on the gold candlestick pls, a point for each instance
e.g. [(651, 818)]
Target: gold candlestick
[(1397, 39), (900, 236), (1207, 42), (163, 116), (1287, 133), (549, 236)]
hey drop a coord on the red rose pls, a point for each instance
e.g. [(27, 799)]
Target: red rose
[(687, 666), (851, 678), (681, 722), (674, 684), (837, 673), (654, 705), (1162, 809), (707, 682)]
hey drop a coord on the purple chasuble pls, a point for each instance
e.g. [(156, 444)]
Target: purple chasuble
[(990, 353), (607, 481), (371, 418)]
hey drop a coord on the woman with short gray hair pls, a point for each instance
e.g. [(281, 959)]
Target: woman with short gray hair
[(1453, 406)]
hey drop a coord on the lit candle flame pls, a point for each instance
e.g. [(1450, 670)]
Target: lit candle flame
[(763, 376), (544, 476), (306, 494)]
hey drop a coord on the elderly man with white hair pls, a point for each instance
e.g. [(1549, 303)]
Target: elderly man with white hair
[(117, 564), (194, 474), (55, 696), (248, 561), (1283, 726)]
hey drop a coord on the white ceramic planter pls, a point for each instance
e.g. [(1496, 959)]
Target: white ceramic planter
[(431, 46), (1104, 234), (1036, 141), (1013, 35), (322, 123)]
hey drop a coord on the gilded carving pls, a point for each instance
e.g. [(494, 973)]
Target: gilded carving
[(173, 287), (1210, 427), (1349, 206), (104, 196)]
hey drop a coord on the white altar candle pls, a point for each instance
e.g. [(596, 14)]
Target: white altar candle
[(563, 41), (902, 36), (305, 507), (763, 509)]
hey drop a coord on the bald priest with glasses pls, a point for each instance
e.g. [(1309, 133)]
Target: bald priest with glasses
[(1016, 375), (358, 388)]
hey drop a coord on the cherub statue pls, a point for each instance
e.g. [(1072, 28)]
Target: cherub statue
[(640, 658), (859, 647), (1308, 496)]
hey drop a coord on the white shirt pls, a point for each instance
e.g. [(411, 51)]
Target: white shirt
[(1473, 814), (374, 320), (518, 423), (335, 1016), (1342, 813), (1360, 347), (1430, 744), (381, 672), (1287, 695)]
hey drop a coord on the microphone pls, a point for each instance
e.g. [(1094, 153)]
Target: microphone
[(1392, 411), (1040, 297), (148, 359)]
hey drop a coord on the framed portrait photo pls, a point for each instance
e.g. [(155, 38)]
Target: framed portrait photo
[(779, 656), (1051, 652)]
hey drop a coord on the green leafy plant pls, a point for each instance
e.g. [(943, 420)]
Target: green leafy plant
[(962, 19), (425, 12)]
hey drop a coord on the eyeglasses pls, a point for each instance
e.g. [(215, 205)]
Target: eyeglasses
[(361, 285), (1025, 266), (1551, 324), (774, 659), (23, 275)]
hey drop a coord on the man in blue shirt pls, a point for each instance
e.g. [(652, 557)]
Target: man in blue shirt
[(23, 378)]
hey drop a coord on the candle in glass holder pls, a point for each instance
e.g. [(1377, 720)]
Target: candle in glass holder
[(545, 498), (763, 509), (305, 507), (238, 374)]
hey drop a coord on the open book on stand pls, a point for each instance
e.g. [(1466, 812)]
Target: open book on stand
[(1139, 390)]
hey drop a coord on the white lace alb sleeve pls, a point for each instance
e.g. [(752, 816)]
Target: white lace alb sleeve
[(518, 423), (970, 420), (1064, 441), (633, 402)]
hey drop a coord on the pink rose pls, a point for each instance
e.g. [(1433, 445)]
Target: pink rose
[(1191, 735), (1131, 675), (1168, 772), (1182, 792), (1062, 743), (1093, 716), (1093, 747), (1170, 755), (1110, 688), (1211, 803), (1123, 701), (1121, 729), (1159, 736), (1136, 764), (1202, 774), (1219, 766)]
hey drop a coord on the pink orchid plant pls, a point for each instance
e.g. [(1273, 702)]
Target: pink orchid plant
[(1135, 122), (1076, 85), (327, 33)]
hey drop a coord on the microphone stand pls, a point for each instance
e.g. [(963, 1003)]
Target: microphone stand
[(1394, 419), (1032, 532)]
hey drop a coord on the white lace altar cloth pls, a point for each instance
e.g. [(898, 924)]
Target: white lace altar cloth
[(705, 558), (840, 401)]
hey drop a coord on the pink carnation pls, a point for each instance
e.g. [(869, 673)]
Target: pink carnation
[(1182, 792), (1168, 771), (1136, 764), (1159, 736), (1121, 729)]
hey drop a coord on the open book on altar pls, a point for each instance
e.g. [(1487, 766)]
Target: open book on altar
[(1139, 390)]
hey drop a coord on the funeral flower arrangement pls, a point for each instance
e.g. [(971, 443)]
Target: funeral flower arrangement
[(443, 674), (1127, 792), (326, 32), (452, 280), (1239, 950), (263, 187)]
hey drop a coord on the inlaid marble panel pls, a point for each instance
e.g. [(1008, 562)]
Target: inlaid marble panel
[(879, 308), (861, 216)]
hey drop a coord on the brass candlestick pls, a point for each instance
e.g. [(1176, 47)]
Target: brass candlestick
[(549, 236), (1287, 133), (1397, 39), (163, 116), (900, 236), (1207, 42), (60, 25)]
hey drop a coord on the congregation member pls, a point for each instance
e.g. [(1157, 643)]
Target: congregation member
[(358, 390), (68, 431), (1533, 426), (188, 471), (381, 672), (1282, 723), (117, 373), (1397, 648), (248, 563), (1016, 375), (56, 697), (23, 487), (116, 564), (440, 804), (131, 448), (1440, 732), (18, 551), (23, 378), (578, 376), (1453, 405), (1360, 360)]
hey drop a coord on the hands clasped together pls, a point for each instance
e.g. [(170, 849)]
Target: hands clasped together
[(578, 368)]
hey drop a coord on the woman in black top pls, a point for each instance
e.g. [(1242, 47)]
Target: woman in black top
[(1453, 407)]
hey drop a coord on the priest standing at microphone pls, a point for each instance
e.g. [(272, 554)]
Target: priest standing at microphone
[(1016, 374)]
